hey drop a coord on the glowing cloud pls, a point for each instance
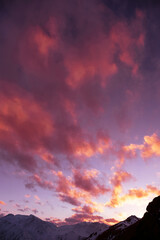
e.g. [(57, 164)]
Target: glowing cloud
[(151, 146), (118, 178)]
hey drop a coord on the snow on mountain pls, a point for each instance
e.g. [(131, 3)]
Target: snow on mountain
[(21, 227), (25, 227), (126, 223), (85, 228), (115, 230)]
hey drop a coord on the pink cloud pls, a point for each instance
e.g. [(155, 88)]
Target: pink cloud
[(27, 195), (89, 182), (36, 180), (55, 79)]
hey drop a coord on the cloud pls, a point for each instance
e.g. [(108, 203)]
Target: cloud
[(148, 149), (58, 71), (69, 199), (80, 187), (58, 222), (36, 197), (111, 221), (66, 190), (118, 178), (60, 78), (151, 146), (35, 211), (89, 182), (85, 209), (82, 213), (76, 218), (25, 209), (27, 195), (17, 205), (2, 203), (134, 193), (86, 214), (36, 180)]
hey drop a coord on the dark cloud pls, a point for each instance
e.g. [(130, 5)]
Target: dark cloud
[(89, 182), (77, 218), (36, 180), (128, 8), (68, 199)]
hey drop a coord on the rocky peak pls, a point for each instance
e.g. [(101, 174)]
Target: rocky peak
[(154, 207)]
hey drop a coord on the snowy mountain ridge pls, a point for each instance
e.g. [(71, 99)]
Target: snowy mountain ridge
[(23, 227)]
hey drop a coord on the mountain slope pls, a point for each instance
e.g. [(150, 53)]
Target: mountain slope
[(118, 228), (21, 227), (25, 227), (147, 228)]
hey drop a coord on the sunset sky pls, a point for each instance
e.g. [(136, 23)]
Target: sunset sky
[(79, 108)]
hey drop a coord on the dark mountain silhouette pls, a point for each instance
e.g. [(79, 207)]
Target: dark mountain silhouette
[(146, 228)]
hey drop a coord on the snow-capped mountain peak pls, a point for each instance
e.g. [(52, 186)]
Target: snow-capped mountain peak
[(22, 227)]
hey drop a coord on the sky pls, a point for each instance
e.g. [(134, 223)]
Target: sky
[(79, 109)]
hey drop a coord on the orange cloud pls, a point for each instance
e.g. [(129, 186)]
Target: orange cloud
[(110, 221), (85, 209), (153, 189), (3, 203), (131, 149), (134, 193), (27, 195), (80, 188), (36, 197), (151, 146), (117, 180), (89, 149), (140, 193)]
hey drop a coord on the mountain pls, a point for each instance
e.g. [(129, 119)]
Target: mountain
[(146, 228), (118, 228), (22, 227), (25, 227)]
